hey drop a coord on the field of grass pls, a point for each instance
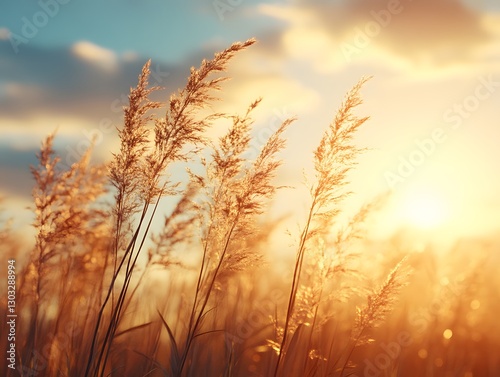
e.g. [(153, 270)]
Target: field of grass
[(100, 293)]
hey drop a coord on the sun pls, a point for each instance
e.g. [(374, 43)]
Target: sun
[(424, 209)]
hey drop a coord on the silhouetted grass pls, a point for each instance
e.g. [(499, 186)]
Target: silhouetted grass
[(103, 295)]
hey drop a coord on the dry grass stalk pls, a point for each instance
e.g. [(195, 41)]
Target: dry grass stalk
[(379, 304), (126, 175), (67, 218), (380, 301), (333, 159), (126, 171), (235, 193), (99, 256), (138, 173)]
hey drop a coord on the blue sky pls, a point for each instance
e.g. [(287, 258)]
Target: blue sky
[(427, 58), (168, 30)]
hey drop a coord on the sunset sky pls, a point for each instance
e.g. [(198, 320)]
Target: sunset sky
[(434, 98)]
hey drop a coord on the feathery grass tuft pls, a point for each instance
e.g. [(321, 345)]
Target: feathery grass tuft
[(105, 293)]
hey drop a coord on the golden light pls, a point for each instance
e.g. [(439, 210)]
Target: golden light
[(425, 209), (438, 362), (447, 334), (422, 353), (475, 304)]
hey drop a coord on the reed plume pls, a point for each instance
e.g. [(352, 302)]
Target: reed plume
[(103, 294), (333, 159), (138, 171)]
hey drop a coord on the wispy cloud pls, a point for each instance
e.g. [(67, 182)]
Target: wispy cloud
[(424, 33), (98, 55), (78, 88), (83, 80)]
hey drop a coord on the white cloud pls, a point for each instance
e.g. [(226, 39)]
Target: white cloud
[(285, 13), (424, 37), (29, 132), (93, 53)]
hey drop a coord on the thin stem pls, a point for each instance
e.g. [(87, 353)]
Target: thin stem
[(128, 278), (295, 283), (90, 361), (192, 334)]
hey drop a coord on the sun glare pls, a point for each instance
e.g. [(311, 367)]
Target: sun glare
[(425, 210)]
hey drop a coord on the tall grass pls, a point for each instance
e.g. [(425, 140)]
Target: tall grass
[(101, 294)]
